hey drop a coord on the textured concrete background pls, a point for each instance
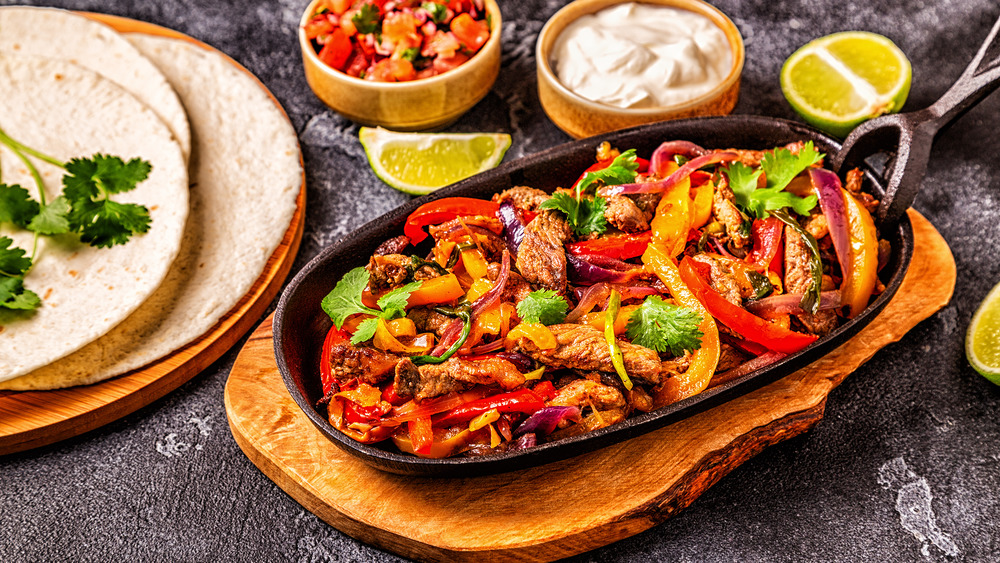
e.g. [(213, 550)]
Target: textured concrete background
[(905, 466)]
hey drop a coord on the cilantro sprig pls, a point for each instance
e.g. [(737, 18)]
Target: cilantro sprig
[(14, 264), (779, 168), (586, 215), (345, 300), (437, 11), (664, 327), (543, 306), (366, 20), (84, 208)]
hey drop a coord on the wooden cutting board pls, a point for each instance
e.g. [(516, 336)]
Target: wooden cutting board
[(568, 507), (30, 419)]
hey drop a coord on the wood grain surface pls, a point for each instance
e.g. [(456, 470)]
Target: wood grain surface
[(30, 419), (564, 508)]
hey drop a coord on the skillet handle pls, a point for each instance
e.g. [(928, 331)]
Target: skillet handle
[(913, 133)]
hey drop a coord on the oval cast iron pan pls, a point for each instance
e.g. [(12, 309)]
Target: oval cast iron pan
[(300, 325)]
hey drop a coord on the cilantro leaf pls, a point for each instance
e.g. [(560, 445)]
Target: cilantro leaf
[(620, 171), (106, 223), (16, 205), (13, 263), (13, 295), (779, 167), (585, 215), (367, 19), (365, 330), (393, 304), (87, 187), (345, 298), (663, 327), (52, 220), (438, 12), (102, 174), (543, 306)]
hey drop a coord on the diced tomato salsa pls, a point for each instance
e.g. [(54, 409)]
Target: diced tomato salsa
[(397, 41)]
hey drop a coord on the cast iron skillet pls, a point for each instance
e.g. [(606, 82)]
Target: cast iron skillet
[(300, 325)]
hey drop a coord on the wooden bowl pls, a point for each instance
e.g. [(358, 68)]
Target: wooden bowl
[(580, 117), (417, 105)]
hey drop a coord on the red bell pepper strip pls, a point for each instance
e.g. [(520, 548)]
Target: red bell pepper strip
[(766, 243), (442, 210), (389, 395), (619, 247), (421, 435), (335, 336), (545, 389), (748, 325), (522, 400)]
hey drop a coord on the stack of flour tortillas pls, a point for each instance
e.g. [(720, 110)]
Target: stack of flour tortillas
[(226, 173)]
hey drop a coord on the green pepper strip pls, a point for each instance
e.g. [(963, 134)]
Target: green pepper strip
[(466, 317), (614, 305), (810, 298)]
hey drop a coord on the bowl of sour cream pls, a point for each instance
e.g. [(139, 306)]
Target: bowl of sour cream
[(607, 64)]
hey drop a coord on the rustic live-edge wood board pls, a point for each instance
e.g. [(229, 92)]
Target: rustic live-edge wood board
[(30, 419), (568, 507)]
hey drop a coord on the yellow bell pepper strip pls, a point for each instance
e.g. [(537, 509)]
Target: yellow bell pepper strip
[(535, 332), (439, 448), (705, 359), (478, 288), (672, 221), (364, 395), (610, 315), (535, 374), (596, 320), (401, 327), (701, 204), (442, 289), (488, 417), (743, 322), (475, 264), (385, 340), (859, 284)]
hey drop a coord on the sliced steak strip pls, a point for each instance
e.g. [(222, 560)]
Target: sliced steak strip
[(725, 212), (433, 380), (541, 258), (798, 279), (584, 393), (368, 365), (395, 245), (522, 197), (388, 271), (428, 320), (583, 347), (623, 214)]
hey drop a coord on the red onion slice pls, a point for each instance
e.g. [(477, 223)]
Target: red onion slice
[(831, 201), (665, 153), (749, 366), (544, 421), (513, 227), (484, 302), (790, 303), (677, 177)]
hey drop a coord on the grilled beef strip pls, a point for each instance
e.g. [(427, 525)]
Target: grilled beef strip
[(725, 212), (623, 214), (798, 279), (541, 258), (583, 347), (523, 197), (433, 380), (368, 365)]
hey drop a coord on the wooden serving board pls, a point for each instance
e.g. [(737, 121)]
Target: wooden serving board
[(30, 419), (602, 496)]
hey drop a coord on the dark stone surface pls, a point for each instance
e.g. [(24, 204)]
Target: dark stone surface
[(905, 466)]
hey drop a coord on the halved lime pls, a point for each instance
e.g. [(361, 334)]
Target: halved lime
[(982, 341), (419, 163), (838, 81)]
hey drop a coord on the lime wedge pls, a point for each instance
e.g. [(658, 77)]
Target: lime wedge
[(838, 81), (982, 341), (419, 163)]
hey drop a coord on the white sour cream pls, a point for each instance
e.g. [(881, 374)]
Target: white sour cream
[(641, 56)]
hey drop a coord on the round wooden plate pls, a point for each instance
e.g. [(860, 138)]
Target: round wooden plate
[(29, 419), (564, 508)]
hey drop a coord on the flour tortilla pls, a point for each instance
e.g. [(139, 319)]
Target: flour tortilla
[(58, 34), (68, 111), (246, 175)]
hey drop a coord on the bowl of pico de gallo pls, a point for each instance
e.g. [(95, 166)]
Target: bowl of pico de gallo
[(405, 65)]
